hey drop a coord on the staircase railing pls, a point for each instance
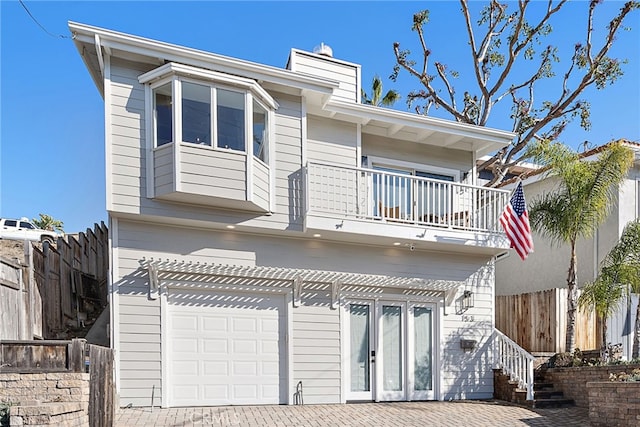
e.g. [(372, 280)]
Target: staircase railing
[(514, 360)]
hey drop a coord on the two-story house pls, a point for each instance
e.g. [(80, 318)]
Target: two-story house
[(274, 239)]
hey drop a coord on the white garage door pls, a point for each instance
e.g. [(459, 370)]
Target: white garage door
[(225, 348)]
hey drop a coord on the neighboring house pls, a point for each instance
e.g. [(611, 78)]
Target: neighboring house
[(547, 267), (272, 239)]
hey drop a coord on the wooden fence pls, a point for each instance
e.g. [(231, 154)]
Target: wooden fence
[(67, 356), (62, 285), (101, 386), (538, 321)]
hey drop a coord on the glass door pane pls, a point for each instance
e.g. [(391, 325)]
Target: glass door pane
[(423, 366), (392, 352), (359, 319)]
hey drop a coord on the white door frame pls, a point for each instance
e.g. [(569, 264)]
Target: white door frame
[(375, 336), (362, 395), (383, 395)]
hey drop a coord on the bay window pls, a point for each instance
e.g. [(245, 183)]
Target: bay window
[(214, 110), (208, 138)]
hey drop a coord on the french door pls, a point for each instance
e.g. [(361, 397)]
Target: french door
[(391, 349)]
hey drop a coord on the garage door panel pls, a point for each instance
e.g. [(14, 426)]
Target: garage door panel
[(215, 346), (226, 349), (185, 323), (184, 345), (270, 325), (216, 392), (215, 368), (214, 323), (245, 325)]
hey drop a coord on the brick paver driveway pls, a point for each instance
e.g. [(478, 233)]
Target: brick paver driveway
[(422, 414)]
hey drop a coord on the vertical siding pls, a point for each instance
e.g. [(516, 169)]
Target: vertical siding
[(316, 348), (344, 73)]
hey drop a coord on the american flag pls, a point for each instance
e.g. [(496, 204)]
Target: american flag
[(515, 221)]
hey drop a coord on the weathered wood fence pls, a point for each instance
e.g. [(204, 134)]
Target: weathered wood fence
[(67, 356), (538, 321), (60, 285)]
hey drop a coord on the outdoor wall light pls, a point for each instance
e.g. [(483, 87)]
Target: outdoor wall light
[(467, 300)]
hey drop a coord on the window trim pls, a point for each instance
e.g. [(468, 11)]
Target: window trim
[(413, 167), (176, 93)]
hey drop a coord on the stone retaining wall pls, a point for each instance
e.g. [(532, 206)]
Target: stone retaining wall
[(60, 398), (613, 404), (573, 381), (505, 389)]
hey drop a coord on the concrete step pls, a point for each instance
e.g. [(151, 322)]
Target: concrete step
[(548, 394), (553, 403), (542, 386)]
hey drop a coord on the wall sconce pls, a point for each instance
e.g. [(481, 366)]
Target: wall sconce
[(467, 300)]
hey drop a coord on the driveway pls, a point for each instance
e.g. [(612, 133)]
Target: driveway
[(422, 414)]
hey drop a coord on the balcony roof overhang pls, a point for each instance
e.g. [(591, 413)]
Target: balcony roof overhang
[(417, 128), (94, 42)]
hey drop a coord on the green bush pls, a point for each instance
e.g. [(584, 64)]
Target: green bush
[(4, 413)]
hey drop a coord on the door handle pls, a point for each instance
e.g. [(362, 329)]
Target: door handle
[(373, 356)]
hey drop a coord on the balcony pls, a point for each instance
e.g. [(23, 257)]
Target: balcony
[(384, 207)]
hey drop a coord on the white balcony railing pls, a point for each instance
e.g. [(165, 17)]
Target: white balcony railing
[(370, 194), (514, 361)]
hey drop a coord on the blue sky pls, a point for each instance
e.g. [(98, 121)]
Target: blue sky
[(51, 114)]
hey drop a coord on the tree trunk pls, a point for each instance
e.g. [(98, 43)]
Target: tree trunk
[(604, 332), (635, 352), (572, 301)]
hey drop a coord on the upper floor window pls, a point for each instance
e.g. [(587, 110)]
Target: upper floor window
[(209, 109)]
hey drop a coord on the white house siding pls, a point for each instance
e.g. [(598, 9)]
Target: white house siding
[(346, 74), (127, 104), (621, 324), (330, 141), (469, 375), (215, 173), (377, 146), (315, 325), (261, 183), (316, 348), (163, 171)]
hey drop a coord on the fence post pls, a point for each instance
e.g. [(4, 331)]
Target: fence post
[(76, 355)]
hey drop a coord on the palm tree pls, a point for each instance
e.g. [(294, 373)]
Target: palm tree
[(604, 295), (579, 205), (47, 222), (621, 271), (376, 94)]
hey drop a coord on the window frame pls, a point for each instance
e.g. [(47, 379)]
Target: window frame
[(400, 165), (176, 74)]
